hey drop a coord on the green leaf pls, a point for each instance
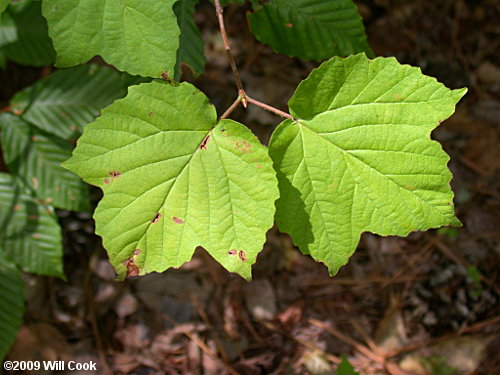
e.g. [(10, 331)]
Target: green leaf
[(174, 179), (11, 303), (68, 99), (191, 45), (360, 158), (3, 5), (345, 368), (8, 30), (313, 30), (29, 232), (36, 158), (32, 45), (140, 37)]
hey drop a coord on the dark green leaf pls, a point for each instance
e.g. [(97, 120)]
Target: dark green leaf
[(11, 303), (32, 45), (35, 158), (29, 232), (310, 29), (68, 99), (345, 368), (190, 50)]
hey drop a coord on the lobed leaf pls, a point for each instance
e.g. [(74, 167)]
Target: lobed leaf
[(173, 179), (11, 303), (36, 158), (190, 49), (310, 29), (360, 158), (29, 233), (68, 99), (122, 32)]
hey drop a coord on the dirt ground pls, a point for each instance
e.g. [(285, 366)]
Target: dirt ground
[(425, 304)]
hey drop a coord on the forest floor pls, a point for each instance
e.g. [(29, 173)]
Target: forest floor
[(425, 304)]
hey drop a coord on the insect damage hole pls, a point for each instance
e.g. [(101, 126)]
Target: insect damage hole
[(156, 218), (132, 269), (203, 144)]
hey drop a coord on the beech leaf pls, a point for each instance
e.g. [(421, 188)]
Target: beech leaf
[(11, 303), (313, 30), (29, 232), (190, 44), (173, 179), (360, 158), (35, 158)]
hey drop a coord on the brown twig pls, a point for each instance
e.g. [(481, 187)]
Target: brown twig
[(92, 316), (273, 327), (219, 12), (201, 344), (232, 107), (270, 108), (432, 341), (243, 98), (356, 345)]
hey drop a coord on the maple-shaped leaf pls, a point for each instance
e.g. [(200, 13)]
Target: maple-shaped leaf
[(173, 179), (140, 37), (359, 156)]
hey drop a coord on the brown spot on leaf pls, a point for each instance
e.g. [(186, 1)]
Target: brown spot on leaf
[(166, 77), (289, 24), (203, 144), (156, 218), (106, 180), (242, 255), (74, 128), (410, 187), (178, 220), (258, 166), (34, 138), (115, 174), (34, 180), (17, 207), (150, 114), (232, 252), (132, 269), (36, 235), (398, 97), (243, 146), (136, 252)]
